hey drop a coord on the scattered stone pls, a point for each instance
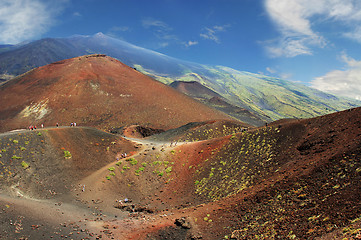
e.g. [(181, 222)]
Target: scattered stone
[(183, 222)]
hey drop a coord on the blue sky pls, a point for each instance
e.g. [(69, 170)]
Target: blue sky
[(313, 42)]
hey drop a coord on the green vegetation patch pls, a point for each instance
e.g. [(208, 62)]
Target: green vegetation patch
[(24, 164), (168, 170), (67, 154), (236, 165), (132, 161), (141, 169)]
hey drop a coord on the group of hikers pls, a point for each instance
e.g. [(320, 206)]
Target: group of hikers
[(33, 127), (123, 155)]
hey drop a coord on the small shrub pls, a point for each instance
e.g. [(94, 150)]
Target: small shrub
[(15, 141), (26, 142), (108, 177), (168, 170), (22, 148), (15, 157), (111, 168), (39, 133), (67, 154), (144, 164), (125, 167), (141, 169), (112, 174), (24, 165), (133, 161), (118, 163), (160, 174)]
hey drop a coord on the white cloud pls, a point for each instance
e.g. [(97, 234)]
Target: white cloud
[(211, 33), (271, 70), (151, 22), (296, 21), (345, 82), (287, 76), (161, 30), (190, 43), (274, 72), (22, 20), (77, 14)]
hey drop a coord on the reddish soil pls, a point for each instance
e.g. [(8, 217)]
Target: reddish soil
[(96, 91), (297, 179)]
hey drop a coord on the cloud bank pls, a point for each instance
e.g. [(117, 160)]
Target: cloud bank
[(345, 82), (296, 21), (22, 20)]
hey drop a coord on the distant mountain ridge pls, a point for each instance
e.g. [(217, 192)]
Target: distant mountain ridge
[(267, 97), (210, 98)]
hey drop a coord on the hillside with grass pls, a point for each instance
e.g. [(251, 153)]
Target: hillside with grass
[(267, 97), (296, 179)]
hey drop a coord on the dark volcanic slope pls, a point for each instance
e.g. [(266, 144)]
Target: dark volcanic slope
[(297, 180), (38, 180), (96, 91), (289, 180)]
